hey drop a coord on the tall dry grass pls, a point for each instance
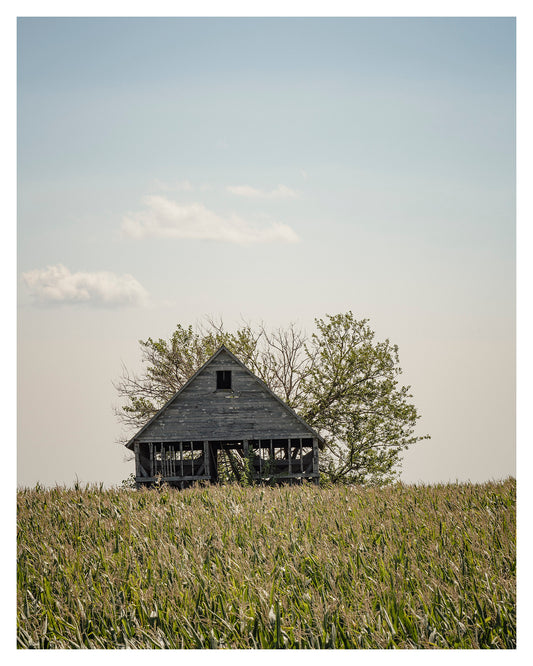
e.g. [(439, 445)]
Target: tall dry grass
[(290, 567)]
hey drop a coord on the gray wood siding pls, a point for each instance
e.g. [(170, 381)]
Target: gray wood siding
[(247, 411)]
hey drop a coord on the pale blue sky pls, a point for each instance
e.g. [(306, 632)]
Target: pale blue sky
[(278, 169)]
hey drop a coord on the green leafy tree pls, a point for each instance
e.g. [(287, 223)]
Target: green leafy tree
[(354, 399), (340, 381)]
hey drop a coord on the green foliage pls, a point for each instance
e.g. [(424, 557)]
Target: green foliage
[(129, 483), (353, 397), (340, 380), (247, 477), (268, 567)]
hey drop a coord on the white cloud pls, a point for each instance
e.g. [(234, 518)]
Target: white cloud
[(56, 284), (163, 218), (280, 192)]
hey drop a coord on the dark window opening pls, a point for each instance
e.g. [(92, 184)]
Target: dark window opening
[(223, 379)]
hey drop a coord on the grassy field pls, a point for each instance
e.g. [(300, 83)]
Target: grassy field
[(290, 567)]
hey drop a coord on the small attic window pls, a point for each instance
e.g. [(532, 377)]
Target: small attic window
[(223, 379)]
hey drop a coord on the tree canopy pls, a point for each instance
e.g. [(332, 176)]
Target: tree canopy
[(340, 380)]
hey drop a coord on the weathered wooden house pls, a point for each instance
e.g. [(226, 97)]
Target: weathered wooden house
[(225, 422)]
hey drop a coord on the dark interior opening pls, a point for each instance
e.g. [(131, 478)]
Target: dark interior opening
[(223, 379)]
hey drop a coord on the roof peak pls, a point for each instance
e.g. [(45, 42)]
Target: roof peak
[(237, 360)]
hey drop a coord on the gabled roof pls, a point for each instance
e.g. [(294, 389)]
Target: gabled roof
[(221, 349)]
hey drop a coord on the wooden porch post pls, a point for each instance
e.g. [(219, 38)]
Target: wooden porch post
[(137, 459), (315, 459), (206, 459)]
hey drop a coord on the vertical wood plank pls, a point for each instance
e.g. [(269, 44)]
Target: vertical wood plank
[(151, 459), (137, 459), (206, 459), (181, 457)]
